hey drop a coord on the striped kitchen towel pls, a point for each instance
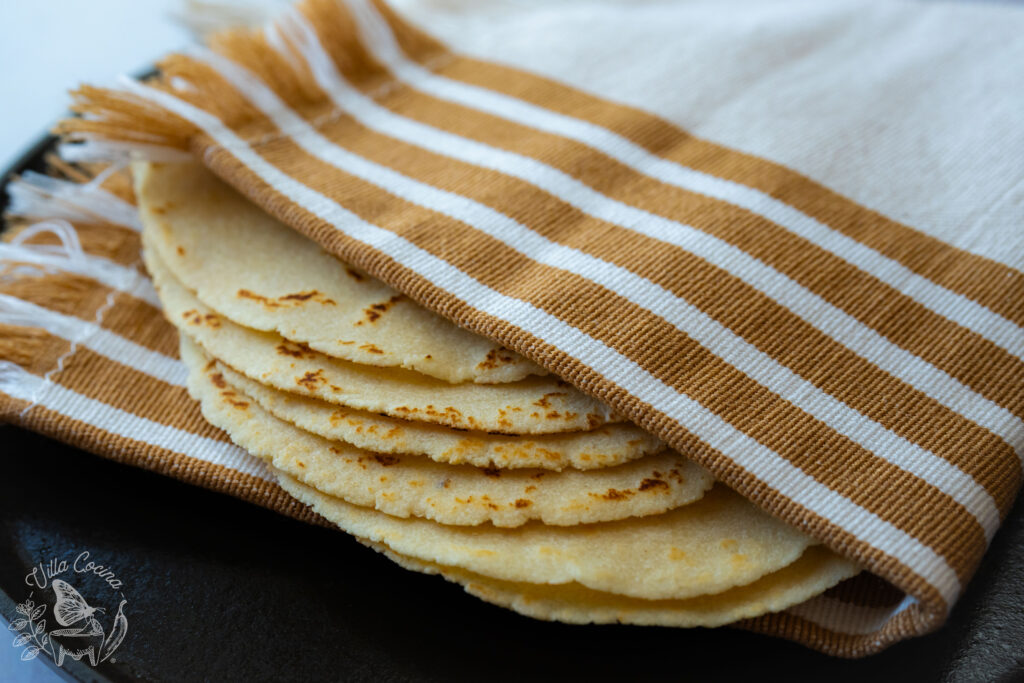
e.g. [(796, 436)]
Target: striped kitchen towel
[(785, 237)]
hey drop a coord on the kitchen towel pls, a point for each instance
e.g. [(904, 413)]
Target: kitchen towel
[(785, 237)]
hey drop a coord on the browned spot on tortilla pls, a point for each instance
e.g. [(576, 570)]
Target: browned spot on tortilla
[(491, 472), (530, 489), (613, 494), (310, 380), (522, 503), (294, 349), (370, 348), (218, 380), (386, 460), (496, 358), (374, 311), (181, 251), (287, 299), (649, 483), (299, 296), (354, 274), (543, 401), (194, 317), (246, 294), (231, 397)]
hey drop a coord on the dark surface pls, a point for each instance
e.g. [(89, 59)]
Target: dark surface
[(218, 589), (221, 590)]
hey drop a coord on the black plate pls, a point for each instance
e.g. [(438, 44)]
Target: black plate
[(221, 590)]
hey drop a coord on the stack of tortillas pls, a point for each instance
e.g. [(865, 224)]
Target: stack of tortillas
[(444, 451)]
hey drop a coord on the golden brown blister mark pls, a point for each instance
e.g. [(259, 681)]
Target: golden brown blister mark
[(495, 359), (386, 460), (370, 348), (310, 380), (228, 395), (354, 274), (374, 311), (522, 503), (307, 296), (181, 251), (613, 494), (530, 489), (295, 349), (297, 298), (649, 483), (545, 402), (194, 317), (503, 420), (491, 472)]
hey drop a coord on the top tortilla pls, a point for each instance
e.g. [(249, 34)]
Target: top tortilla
[(260, 273), (535, 405)]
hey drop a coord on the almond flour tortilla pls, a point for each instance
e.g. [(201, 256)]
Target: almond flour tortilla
[(710, 546), (411, 485), (817, 570), (536, 405), (261, 274), (606, 446)]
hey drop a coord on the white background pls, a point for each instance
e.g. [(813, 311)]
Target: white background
[(49, 46)]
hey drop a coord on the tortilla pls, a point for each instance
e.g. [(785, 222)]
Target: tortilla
[(606, 446), (536, 405), (411, 485), (817, 570), (259, 273), (710, 546)]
